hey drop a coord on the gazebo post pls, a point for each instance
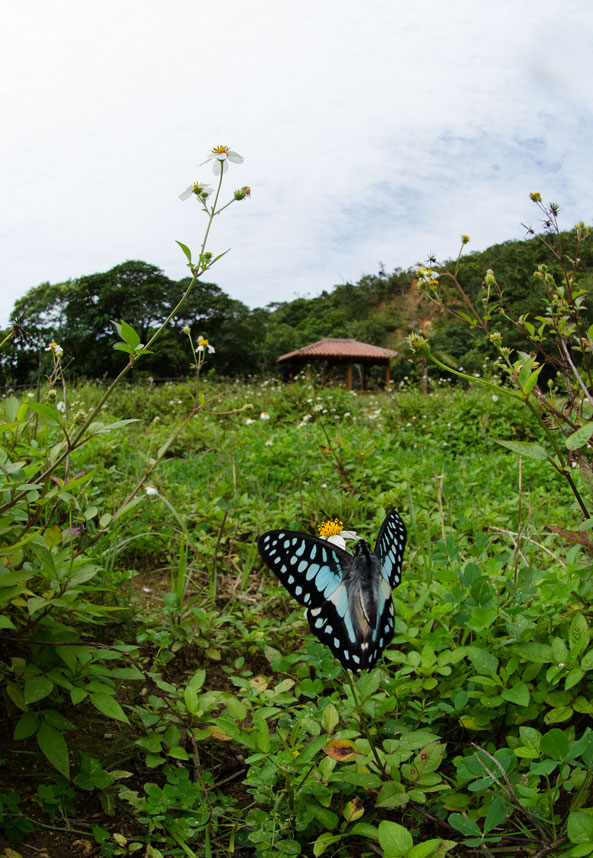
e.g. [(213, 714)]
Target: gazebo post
[(308, 371), (364, 376), (349, 376), (387, 376)]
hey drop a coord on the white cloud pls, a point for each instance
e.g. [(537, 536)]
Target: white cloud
[(375, 133)]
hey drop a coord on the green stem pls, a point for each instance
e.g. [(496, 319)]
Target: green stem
[(362, 721)]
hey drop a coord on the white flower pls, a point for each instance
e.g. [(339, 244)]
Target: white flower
[(332, 532), (201, 191), (221, 155), (318, 407), (61, 406), (264, 416), (56, 349), (249, 421), (151, 490), (204, 344), (268, 443), (494, 397)]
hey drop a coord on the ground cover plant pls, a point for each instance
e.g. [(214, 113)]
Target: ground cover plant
[(162, 694)]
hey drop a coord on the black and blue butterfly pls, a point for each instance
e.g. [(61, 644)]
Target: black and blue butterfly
[(347, 597)]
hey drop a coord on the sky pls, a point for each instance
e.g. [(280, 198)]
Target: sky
[(373, 134)]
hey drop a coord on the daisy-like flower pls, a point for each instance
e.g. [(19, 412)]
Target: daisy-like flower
[(204, 344), (268, 443), (221, 155), (200, 189), (151, 490), (249, 421), (61, 406), (56, 349), (264, 416), (332, 531)]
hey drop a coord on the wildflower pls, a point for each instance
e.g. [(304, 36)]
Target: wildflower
[(57, 350), (465, 239), (151, 490), (204, 344), (268, 443), (318, 407), (536, 197), (221, 155), (494, 397), (264, 416), (61, 406), (332, 531), (201, 191), (249, 421), (306, 418), (243, 192), (186, 329)]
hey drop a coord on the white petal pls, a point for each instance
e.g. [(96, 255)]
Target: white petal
[(337, 540), (187, 193), (348, 534), (234, 157)]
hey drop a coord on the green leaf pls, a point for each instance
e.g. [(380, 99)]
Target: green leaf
[(49, 416), (495, 815), (262, 732), (128, 334), (578, 635), (107, 705), (580, 437), (185, 249), (518, 694), (26, 726), (555, 744), (465, 825), (580, 826), (395, 840), (530, 451), (37, 688), (483, 660), (53, 746)]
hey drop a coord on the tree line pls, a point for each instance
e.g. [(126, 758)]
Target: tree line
[(380, 308)]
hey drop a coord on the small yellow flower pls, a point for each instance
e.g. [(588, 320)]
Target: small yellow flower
[(330, 528), (332, 531)]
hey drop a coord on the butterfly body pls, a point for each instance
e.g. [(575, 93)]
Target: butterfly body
[(347, 597)]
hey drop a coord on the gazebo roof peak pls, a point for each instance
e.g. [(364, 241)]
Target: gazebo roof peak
[(346, 348)]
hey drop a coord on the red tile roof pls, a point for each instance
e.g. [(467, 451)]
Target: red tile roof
[(331, 347)]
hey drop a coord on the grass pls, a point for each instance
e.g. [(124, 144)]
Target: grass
[(231, 705)]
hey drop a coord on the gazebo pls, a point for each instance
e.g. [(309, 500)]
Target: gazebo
[(334, 351)]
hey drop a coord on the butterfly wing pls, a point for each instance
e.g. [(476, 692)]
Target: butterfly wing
[(390, 546), (311, 569)]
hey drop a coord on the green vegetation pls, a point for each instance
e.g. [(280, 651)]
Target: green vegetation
[(162, 694), (158, 669)]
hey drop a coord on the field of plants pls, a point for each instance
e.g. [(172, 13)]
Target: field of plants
[(163, 695)]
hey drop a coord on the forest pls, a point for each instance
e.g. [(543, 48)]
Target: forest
[(381, 308)]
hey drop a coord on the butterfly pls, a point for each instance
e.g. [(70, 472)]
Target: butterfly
[(347, 597)]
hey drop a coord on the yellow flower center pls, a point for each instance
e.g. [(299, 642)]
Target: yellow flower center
[(52, 345), (202, 342), (330, 528), (220, 150)]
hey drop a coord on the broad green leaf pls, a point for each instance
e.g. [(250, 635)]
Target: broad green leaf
[(518, 694), (26, 725), (324, 841), (435, 848), (580, 437), (530, 451), (49, 416), (326, 817), (578, 635), (465, 825), (483, 660), (53, 746), (587, 661), (330, 718), (129, 335), (495, 814), (554, 744), (37, 688), (536, 652), (107, 705), (395, 840), (262, 732), (580, 826)]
